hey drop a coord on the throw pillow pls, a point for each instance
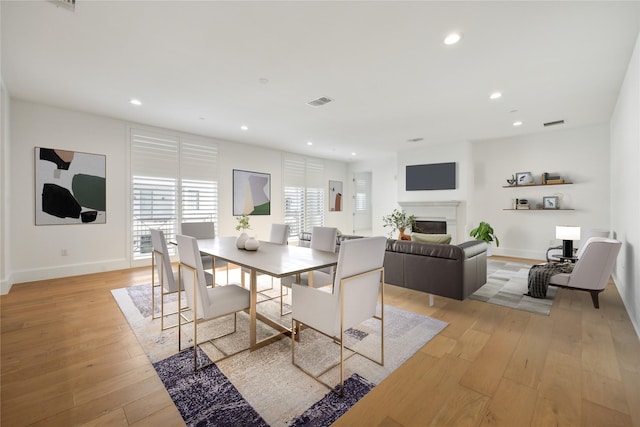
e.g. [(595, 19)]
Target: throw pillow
[(431, 238)]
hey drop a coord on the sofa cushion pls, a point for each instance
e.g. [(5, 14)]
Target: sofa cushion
[(431, 238)]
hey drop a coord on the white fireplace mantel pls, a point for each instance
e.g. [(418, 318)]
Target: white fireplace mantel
[(436, 211)]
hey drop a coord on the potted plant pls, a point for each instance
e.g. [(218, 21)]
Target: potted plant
[(399, 220), (243, 224), (485, 232)]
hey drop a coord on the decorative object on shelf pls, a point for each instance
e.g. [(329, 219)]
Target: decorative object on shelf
[(243, 224), (522, 204), (550, 202), (524, 178), (252, 244), (485, 232), (512, 181), (545, 178), (399, 220), (567, 233)]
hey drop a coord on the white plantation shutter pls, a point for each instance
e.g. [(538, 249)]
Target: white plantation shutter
[(315, 194), (199, 189), (304, 206), (173, 180)]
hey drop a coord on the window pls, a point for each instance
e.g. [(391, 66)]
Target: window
[(174, 180), (304, 193)]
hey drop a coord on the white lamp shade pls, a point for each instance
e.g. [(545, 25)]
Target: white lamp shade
[(567, 232)]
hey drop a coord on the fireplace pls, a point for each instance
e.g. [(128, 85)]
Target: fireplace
[(430, 227), (435, 212)]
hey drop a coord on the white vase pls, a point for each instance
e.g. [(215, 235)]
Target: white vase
[(240, 241), (251, 244)]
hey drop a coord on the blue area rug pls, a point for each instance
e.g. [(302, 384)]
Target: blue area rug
[(207, 397), (331, 406)]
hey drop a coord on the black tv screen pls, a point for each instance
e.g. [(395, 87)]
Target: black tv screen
[(435, 176)]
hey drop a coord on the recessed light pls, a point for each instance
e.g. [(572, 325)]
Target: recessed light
[(244, 127), (517, 123), (353, 154), (495, 95), (452, 38), (309, 143), (135, 101)]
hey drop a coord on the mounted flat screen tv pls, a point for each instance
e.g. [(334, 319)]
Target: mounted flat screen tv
[(434, 176)]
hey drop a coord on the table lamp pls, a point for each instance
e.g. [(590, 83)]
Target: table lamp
[(567, 233)]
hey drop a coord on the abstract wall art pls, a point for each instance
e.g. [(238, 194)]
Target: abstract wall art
[(251, 193), (335, 196), (70, 187)]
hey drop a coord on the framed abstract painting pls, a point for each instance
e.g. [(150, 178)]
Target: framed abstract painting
[(70, 187), (251, 193)]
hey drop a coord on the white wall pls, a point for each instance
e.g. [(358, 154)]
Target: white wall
[(578, 155), (36, 251), (458, 152), (5, 185), (625, 191)]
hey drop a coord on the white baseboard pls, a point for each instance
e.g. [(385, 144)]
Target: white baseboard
[(69, 270), (518, 253), (5, 286)]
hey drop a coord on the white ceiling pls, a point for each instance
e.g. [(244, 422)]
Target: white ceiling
[(197, 67)]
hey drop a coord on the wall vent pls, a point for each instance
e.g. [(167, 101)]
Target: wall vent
[(557, 122), (67, 4), (320, 101)]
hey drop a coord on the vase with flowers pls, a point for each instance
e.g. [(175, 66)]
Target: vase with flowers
[(243, 224), (399, 220)]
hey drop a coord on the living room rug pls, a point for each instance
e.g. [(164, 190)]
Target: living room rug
[(507, 286), (280, 393)]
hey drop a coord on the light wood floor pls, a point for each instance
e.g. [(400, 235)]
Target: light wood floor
[(70, 358)]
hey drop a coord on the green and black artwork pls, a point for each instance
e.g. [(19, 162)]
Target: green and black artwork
[(70, 187)]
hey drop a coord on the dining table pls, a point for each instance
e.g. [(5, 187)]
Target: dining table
[(273, 259)]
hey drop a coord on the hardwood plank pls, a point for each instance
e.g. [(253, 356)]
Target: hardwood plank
[(594, 415), (528, 360), (512, 405), (560, 391), (487, 369)]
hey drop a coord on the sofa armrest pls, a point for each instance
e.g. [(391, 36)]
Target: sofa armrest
[(473, 248)]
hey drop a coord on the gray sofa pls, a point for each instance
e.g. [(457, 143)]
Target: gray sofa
[(452, 271)]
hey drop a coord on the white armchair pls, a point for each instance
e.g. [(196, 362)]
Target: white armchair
[(596, 260), (358, 284), (205, 303)]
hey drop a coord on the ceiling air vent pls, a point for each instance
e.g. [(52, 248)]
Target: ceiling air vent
[(67, 4), (320, 101), (557, 122)]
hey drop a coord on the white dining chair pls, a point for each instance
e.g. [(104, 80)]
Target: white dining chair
[(358, 292), (322, 239), (280, 236), (204, 302), (167, 279), (205, 230)]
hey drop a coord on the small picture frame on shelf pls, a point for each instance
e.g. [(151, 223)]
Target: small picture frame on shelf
[(550, 202), (524, 178)]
